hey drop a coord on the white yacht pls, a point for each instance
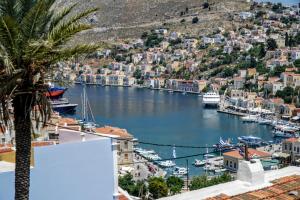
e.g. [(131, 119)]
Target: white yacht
[(199, 163), (249, 118), (211, 99), (167, 164), (180, 171)]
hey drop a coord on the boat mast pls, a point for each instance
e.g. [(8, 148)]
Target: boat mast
[(84, 104)]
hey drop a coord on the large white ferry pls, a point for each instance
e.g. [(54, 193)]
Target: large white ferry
[(211, 99)]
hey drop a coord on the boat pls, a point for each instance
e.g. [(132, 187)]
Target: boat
[(167, 164), (180, 171), (285, 132), (183, 93), (209, 155), (199, 163), (249, 118), (170, 91), (264, 121), (220, 170), (223, 146), (64, 108), (211, 99), (251, 140), (55, 92), (86, 122), (59, 101), (209, 168)]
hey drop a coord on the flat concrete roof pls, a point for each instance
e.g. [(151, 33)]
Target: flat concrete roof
[(6, 166), (235, 187)]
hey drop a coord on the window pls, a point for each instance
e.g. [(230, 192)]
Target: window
[(230, 163), (126, 144), (226, 162), (234, 166), (297, 149), (285, 146), (294, 148), (126, 156)]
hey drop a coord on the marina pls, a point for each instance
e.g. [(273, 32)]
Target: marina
[(165, 118)]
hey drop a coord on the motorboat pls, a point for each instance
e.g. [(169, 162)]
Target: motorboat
[(249, 118), (220, 170), (251, 140), (285, 132), (211, 99), (199, 163), (180, 171), (55, 92), (64, 108), (209, 156), (223, 146), (167, 164), (264, 121)]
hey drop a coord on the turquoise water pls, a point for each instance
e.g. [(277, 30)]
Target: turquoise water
[(161, 117)]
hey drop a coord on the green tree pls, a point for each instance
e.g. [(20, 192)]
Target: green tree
[(297, 63), (137, 189), (158, 187), (287, 94), (137, 74), (195, 20), (271, 44), (286, 41), (33, 38), (126, 182), (175, 184), (199, 182)]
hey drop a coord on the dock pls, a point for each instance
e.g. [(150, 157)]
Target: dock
[(231, 112)]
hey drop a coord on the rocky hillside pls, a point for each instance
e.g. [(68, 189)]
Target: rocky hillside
[(129, 18)]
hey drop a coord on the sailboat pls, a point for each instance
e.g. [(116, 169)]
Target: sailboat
[(169, 163), (87, 124)]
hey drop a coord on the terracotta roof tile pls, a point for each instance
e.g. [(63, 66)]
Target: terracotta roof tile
[(68, 121), (5, 150), (252, 152), (113, 131), (42, 143), (280, 190)]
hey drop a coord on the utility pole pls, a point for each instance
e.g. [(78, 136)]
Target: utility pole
[(187, 175), (246, 152)]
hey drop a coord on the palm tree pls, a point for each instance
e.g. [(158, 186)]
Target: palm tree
[(33, 37)]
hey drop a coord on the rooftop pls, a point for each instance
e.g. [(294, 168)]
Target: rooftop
[(283, 188), (280, 182), (109, 130), (252, 153)]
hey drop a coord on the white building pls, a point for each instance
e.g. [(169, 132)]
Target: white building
[(80, 167)]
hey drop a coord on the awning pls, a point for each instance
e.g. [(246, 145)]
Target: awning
[(281, 155)]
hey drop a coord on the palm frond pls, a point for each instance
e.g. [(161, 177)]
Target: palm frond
[(55, 34), (7, 7), (35, 20), (21, 7), (6, 64), (9, 34), (57, 18)]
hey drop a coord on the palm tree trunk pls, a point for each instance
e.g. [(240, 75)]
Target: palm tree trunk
[(22, 123)]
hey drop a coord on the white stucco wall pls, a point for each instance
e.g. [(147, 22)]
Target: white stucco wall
[(73, 171)]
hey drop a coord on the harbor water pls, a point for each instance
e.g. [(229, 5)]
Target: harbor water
[(166, 118)]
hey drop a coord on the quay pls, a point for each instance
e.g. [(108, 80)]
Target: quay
[(231, 112)]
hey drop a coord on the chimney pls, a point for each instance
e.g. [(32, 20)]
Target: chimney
[(246, 152), (251, 172)]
